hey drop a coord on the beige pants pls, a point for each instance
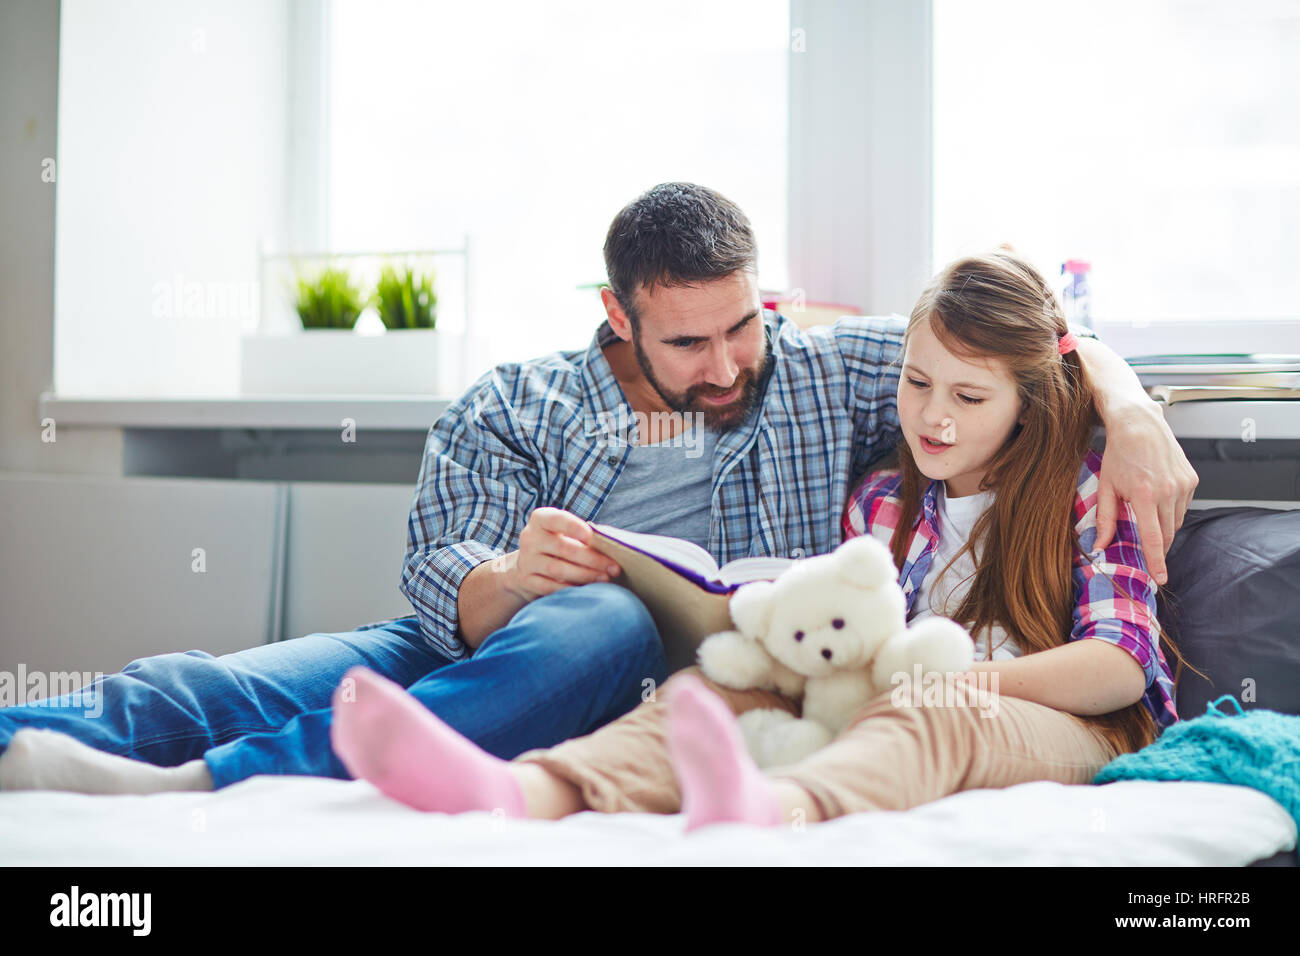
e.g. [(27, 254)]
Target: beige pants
[(888, 758)]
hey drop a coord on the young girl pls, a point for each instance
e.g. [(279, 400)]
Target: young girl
[(991, 517)]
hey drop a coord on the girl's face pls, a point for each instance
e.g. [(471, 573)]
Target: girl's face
[(956, 413)]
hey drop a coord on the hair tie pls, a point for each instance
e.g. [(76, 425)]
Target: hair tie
[(1066, 343)]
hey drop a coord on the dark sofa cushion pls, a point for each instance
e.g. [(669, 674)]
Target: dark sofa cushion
[(1232, 604)]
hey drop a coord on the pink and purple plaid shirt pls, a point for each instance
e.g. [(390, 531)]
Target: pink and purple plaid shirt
[(1101, 612)]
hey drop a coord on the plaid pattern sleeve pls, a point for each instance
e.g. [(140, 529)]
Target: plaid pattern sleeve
[(479, 480), (1116, 597), (873, 356), (873, 506)]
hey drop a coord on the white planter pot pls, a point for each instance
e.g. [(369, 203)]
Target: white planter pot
[(341, 362)]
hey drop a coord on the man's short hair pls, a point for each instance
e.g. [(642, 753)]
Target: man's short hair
[(676, 234)]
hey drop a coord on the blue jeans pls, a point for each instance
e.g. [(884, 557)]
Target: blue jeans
[(565, 665)]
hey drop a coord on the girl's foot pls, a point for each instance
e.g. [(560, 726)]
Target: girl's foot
[(384, 735), (719, 781)]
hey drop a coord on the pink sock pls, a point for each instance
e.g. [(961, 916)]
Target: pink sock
[(719, 781), (388, 737)]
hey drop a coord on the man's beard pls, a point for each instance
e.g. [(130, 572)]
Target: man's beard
[(715, 418)]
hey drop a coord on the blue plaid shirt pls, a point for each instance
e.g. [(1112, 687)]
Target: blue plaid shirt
[(538, 433)]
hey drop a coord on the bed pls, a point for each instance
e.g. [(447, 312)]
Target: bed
[(318, 822)]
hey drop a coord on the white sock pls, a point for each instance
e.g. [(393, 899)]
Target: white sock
[(39, 759)]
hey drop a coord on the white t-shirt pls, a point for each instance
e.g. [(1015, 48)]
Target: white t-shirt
[(943, 596)]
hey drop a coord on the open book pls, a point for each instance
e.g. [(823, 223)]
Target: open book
[(682, 586)]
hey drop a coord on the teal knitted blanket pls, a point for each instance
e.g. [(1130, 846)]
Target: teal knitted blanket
[(1259, 748)]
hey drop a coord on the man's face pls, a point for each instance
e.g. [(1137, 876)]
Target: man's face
[(703, 347)]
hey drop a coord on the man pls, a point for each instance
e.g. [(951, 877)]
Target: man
[(519, 639)]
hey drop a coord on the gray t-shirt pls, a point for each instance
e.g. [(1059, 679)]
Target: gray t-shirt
[(665, 489)]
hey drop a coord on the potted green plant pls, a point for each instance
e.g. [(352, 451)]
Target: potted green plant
[(406, 300), (366, 329), (330, 301)]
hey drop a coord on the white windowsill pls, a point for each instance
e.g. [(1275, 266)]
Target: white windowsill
[(395, 412)]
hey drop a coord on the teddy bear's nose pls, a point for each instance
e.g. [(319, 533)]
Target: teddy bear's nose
[(826, 653)]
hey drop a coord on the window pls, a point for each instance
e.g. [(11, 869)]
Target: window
[(528, 126), (1160, 141), (192, 135), (172, 133)]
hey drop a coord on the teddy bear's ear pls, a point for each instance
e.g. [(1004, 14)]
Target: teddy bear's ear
[(865, 562), (751, 607)]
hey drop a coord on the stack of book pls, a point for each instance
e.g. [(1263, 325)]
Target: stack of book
[(1192, 378)]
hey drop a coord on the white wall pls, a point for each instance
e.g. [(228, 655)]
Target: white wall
[(345, 547), (174, 130), (95, 572), (166, 564)]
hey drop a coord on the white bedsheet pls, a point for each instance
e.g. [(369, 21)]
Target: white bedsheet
[(315, 821)]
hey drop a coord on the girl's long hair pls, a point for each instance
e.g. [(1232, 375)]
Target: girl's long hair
[(998, 306)]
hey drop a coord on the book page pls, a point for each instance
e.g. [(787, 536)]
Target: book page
[(744, 570), (686, 553)]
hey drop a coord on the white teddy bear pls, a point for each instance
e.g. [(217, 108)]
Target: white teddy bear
[(831, 629)]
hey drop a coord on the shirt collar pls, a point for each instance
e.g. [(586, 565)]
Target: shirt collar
[(601, 392), (930, 505)]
